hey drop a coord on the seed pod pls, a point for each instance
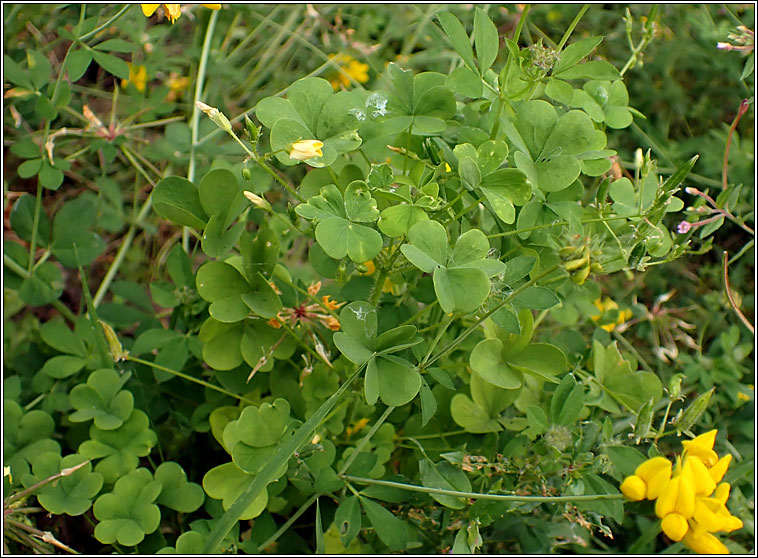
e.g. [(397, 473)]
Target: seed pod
[(571, 265), (252, 131), (692, 413), (247, 174), (644, 421)]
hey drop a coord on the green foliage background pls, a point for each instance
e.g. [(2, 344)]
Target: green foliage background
[(459, 220)]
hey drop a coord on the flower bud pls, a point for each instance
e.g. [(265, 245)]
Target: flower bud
[(217, 116), (306, 149), (256, 200)]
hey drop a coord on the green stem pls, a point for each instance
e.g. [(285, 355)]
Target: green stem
[(365, 440), (482, 496), (453, 344), (190, 378), (294, 517), (126, 244), (562, 223), (195, 119), (433, 345), (35, 224), (571, 27), (32, 489), (434, 436), (105, 25)]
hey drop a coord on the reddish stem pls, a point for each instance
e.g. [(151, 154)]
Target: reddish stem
[(742, 110)]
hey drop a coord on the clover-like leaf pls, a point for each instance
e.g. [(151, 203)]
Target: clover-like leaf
[(420, 103), (550, 147), (25, 436), (128, 513), (392, 379), (620, 384), (226, 482), (71, 494), (312, 111), (102, 399), (337, 229), (177, 493), (120, 449), (461, 275), (605, 101), (504, 366)]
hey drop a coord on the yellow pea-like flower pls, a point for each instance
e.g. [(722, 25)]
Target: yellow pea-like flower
[(704, 483), (306, 149), (702, 447), (718, 471), (706, 543)]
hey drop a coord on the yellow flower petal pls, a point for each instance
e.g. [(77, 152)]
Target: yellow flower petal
[(634, 488), (675, 526), (678, 496), (722, 492), (213, 6), (704, 484), (656, 473), (149, 9), (707, 514), (173, 11), (704, 544), (306, 149), (718, 471)]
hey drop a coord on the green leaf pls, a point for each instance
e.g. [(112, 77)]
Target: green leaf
[(351, 348), (39, 68), (390, 529), (594, 69), (458, 37), (539, 359), (398, 380), (63, 366), (429, 241), (470, 416), (120, 449), (486, 40), (25, 436), (574, 52), (22, 220), (492, 399), (465, 82), (227, 482), (461, 289), (178, 200), (102, 399), (428, 403), (77, 63), (518, 268), (567, 402), (536, 298), (396, 220), (114, 45), (348, 519), (111, 64), (487, 361), (560, 91), (177, 493), (264, 425), (537, 420), (262, 299), (71, 494), (447, 477), (339, 237), (128, 513)]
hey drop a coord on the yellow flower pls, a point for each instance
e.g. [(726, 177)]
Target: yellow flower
[(331, 304), (370, 268), (172, 11), (306, 149), (688, 500), (176, 84), (648, 480), (702, 447), (704, 544), (350, 66), (607, 305), (137, 77), (357, 427)]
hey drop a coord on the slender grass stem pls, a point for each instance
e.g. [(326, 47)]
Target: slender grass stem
[(482, 496)]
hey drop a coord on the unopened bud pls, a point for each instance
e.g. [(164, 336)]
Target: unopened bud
[(117, 351), (257, 200), (216, 115)]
